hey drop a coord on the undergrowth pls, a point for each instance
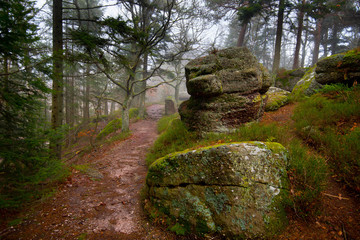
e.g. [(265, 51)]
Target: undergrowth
[(18, 189), (330, 122), (307, 172)]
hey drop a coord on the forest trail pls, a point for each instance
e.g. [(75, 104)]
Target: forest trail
[(105, 202)]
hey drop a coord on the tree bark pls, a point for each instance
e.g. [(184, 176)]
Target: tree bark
[(303, 54), (57, 86), (125, 114), (317, 40), (106, 107), (279, 30), (86, 101), (298, 36), (334, 39), (241, 39), (142, 96)]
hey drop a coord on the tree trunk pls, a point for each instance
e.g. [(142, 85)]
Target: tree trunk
[(142, 96), (86, 101), (325, 42), (279, 31), (241, 39), (112, 107), (334, 39), (177, 93), (317, 40), (298, 36), (303, 54), (57, 86), (106, 107), (125, 114)]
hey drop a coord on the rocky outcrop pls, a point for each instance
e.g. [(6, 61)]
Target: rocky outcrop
[(169, 106), (276, 98), (287, 79), (226, 89), (307, 86), (339, 68), (232, 189)]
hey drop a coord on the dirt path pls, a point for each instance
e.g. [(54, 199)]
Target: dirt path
[(104, 203)]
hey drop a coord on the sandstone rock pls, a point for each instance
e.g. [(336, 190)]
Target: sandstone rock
[(339, 68), (307, 86), (169, 107), (227, 71), (232, 189), (226, 90), (222, 113), (276, 98)]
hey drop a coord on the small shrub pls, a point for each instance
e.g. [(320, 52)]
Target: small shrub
[(111, 127)]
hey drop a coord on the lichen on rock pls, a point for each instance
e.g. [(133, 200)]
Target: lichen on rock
[(276, 98), (233, 189), (339, 68)]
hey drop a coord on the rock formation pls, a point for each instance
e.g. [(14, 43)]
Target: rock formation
[(227, 89), (287, 79), (277, 98), (232, 189), (169, 107), (339, 68)]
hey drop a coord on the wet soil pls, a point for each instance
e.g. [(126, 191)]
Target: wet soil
[(104, 202)]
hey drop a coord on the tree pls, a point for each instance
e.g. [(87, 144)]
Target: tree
[(58, 84), (301, 14), (279, 31), (124, 43)]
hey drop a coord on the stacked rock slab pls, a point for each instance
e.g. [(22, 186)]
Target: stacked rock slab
[(235, 189), (227, 89), (340, 68)]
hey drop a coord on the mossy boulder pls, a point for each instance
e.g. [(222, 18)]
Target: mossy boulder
[(233, 189), (287, 79), (339, 68), (276, 98), (227, 90), (222, 113), (226, 71), (307, 85), (111, 127)]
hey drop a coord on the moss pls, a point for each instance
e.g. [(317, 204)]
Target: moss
[(298, 92), (178, 229), (275, 101), (111, 127)]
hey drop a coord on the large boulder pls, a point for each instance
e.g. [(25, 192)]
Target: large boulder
[(225, 79), (223, 112), (277, 98), (232, 189), (307, 85), (226, 71), (339, 68)]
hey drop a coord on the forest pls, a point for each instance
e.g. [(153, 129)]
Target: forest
[(79, 77)]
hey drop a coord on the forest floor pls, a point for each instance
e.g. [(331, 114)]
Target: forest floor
[(104, 200)]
